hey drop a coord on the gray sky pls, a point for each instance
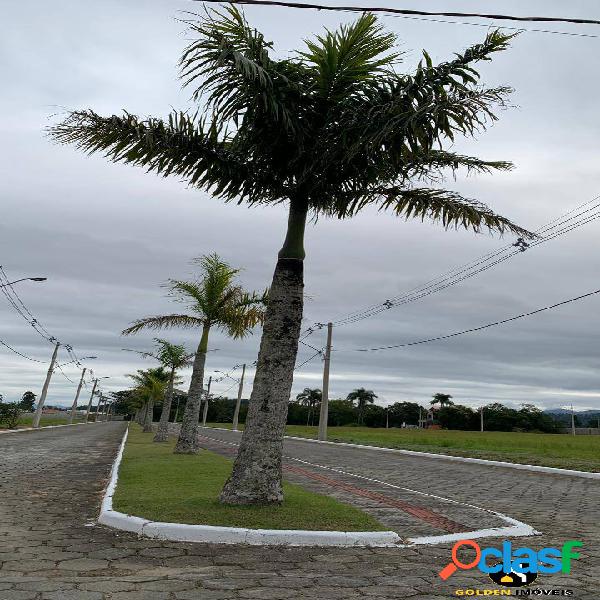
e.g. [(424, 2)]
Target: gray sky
[(107, 236)]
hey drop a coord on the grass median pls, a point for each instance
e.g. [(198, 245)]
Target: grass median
[(158, 485), (581, 452)]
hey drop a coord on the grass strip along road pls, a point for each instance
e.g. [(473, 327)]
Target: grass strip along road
[(161, 486), (580, 452)]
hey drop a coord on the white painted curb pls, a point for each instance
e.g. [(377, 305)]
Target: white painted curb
[(180, 532), (480, 461), (42, 428)]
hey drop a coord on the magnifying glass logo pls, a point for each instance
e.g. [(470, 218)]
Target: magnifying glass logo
[(452, 567)]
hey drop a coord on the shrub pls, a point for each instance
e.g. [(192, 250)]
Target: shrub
[(10, 414)]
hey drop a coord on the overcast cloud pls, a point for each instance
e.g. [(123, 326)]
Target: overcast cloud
[(107, 236)]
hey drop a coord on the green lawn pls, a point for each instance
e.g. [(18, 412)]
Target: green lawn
[(580, 452), (158, 485)]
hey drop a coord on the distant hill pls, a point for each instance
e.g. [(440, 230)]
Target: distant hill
[(566, 411)]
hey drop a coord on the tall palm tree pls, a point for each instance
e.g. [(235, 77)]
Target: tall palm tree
[(213, 300), (172, 357), (362, 397), (442, 400), (150, 389), (310, 397), (328, 131)]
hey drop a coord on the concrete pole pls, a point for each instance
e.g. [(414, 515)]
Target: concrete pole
[(387, 417), (100, 408), (572, 420), (481, 411), (324, 414), (87, 414), (205, 412), (74, 407), (40, 406), (236, 413)]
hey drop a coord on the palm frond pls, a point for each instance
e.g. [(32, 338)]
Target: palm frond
[(173, 356), (346, 60), (163, 322), (182, 146), (448, 208), (229, 64), (431, 165)]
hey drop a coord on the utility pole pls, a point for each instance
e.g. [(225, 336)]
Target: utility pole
[(40, 406), (324, 414), (98, 407), (205, 413), (387, 417), (74, 407), (572, 420), (236, 413), (481, 413), (87, 414)]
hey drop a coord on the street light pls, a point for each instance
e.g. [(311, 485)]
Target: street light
[(37, 279)]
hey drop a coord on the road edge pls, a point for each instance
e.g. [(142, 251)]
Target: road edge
[(480, 461)]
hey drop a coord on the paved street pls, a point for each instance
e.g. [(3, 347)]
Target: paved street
[(51, 484)]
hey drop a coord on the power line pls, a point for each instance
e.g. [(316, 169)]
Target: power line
[(487, 26), (308, 360), (3, 343), (564, 224), (474, 329), (403, 11), (19, 306)]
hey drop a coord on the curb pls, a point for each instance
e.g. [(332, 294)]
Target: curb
[(42, 428), (180, 532), (479, 461)]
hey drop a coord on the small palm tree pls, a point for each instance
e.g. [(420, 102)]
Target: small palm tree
[(330, 131), (150, 389), (213, 300), (362, 397), (442, 400), (172, 357), (310, 397)]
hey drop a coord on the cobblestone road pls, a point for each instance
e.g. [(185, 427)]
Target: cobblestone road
[(51, 484)]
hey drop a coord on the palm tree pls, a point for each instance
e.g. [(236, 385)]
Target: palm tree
[(172, 357), (328, 131), (150, 388), (442, 400), (213, 301), (362, 397), (310, 397)]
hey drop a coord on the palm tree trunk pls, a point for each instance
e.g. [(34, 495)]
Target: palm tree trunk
[(257, 470), (149, 416), (162, 434), (187, 443)]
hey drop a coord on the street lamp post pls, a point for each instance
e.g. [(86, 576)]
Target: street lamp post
[(38, 279)]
